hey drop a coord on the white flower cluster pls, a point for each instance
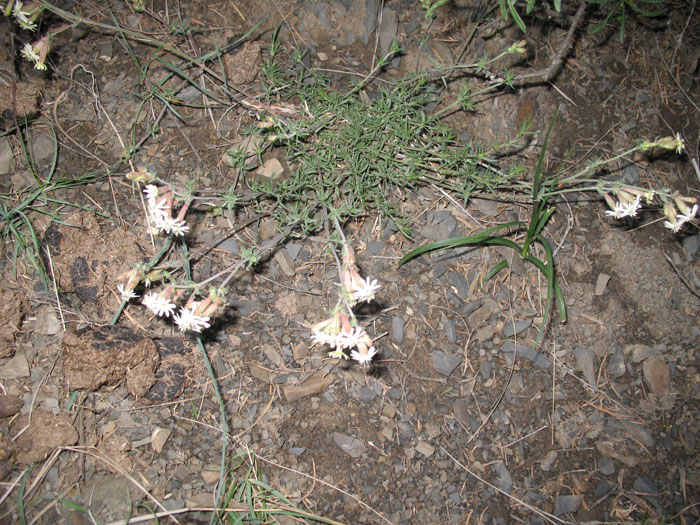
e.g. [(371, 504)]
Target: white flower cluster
[(160, 209), (340, 330), (26, 16), (678, 209)]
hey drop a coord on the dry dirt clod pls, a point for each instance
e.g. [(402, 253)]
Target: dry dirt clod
[(99, 357), (45, 433)]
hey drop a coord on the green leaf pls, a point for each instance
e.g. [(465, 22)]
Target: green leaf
[(516, 17), (493, 271), (456, 242)]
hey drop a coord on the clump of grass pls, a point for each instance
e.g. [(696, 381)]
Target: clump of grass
[(534, 234)]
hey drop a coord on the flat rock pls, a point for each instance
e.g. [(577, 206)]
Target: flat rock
[(639, 352), (549, 460), (657, 376), (15, 367), (606, 467), (601, 283), (459, 281), (513, 328), (350, 445), (159, 436), (388, 30), (504, 480), (490, 208), (586, 363), (397, 326), (285, 262), (616, 363), (6, 156), (425, 448), (526, 352), (445, 363), (315, 384), (567, 504)]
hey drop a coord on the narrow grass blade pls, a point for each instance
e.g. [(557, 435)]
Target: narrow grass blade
[(493, 271), (460, 241)]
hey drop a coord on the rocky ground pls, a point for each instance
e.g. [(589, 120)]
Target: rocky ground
[(462, 418)]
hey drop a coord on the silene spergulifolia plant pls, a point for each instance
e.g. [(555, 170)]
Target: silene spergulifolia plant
[(165, 214), (627, 201)]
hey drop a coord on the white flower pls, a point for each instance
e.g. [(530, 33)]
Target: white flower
[(158, 304), (126, 294), (365, 290), (151, 191), (22, 17), (29, 53), (351, 339), (625, 208), (187, 320), (364, 358), (176, 226), (687, 217), (323, 338), (674, 224)]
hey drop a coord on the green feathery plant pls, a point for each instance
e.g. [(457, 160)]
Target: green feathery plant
[(540, 215)]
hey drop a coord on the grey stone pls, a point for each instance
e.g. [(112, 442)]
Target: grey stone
[(510, 329), (601, 283), (445, 363), (388, 30), (630, 174), (114, 494), (350, 445), (586, 363), (526, 352), (645, 485), (616, 364), (603, 488), (459, 281), (451, 331), (439, 269), (425, 448), (440, 225), (245, 308), (641, 352), (6, 156), (567, 504), (485, 368), (490, 208), (504, 480), (293, 249), (285, 262), (374, 248), (366, 394), (15, 367), (606, 467), (397, 326), (637, 432), (548, 460), (230, 245), (370, 21), (42, 147), (691, 244)]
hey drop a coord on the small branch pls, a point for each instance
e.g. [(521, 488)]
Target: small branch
[(545, 75)]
